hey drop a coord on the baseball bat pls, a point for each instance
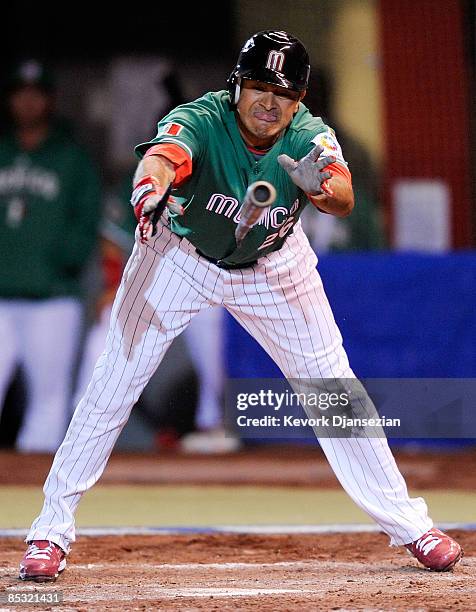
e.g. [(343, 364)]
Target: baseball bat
[(157, 213), (259, 196)]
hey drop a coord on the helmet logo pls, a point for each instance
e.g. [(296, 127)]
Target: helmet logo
[(275, 61)]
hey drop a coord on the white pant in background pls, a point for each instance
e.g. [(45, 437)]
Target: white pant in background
[(93, 347), (204, 339), (42, 337)]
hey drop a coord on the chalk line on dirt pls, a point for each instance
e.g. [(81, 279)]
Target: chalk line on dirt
[(234, 529)]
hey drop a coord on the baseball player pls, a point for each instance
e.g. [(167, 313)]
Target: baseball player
[(49, 204), (206, 154)]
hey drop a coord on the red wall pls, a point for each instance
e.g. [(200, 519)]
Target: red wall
[(426, 100)]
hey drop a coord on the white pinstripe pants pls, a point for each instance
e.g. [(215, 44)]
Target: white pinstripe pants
[(281, 302)]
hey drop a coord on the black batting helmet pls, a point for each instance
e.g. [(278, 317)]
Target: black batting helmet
[(271, 56)]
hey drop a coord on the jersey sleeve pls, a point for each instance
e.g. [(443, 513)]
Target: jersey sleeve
[(175, 154), (181, 127), (328, 141)]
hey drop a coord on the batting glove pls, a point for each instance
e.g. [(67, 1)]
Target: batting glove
[(307, 173), (149, 200)]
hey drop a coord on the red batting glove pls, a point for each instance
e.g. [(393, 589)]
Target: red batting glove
[(146, 187), (149, 199)]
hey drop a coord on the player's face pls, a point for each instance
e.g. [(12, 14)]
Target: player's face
[(29, 106), (264, 111)]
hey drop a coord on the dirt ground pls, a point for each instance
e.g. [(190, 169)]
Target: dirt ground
[(222, 572), (271, 465), (243, 572)]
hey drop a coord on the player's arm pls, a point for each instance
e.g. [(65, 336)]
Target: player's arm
[(164, 166), (152, 184), (158, 166), (329, 191), (166, 163), (337, 197)]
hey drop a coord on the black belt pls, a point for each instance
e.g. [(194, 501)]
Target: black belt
[(225, 265)]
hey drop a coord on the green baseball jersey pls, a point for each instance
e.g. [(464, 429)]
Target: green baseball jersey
[(223, 168), (49, 207)]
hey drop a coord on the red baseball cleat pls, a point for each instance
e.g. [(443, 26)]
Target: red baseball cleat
[(43, 561), (436, 550)]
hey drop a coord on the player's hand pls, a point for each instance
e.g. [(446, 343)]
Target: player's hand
[(308, 173), (149, 200)]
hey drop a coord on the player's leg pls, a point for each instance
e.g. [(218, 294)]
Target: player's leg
[(283, 305), (162, 288), (49, 343), (9, 353), (204, 342)]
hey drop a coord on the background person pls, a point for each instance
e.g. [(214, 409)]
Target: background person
[(49, 206)]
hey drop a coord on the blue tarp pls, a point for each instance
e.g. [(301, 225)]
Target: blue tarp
[(401, 315)]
